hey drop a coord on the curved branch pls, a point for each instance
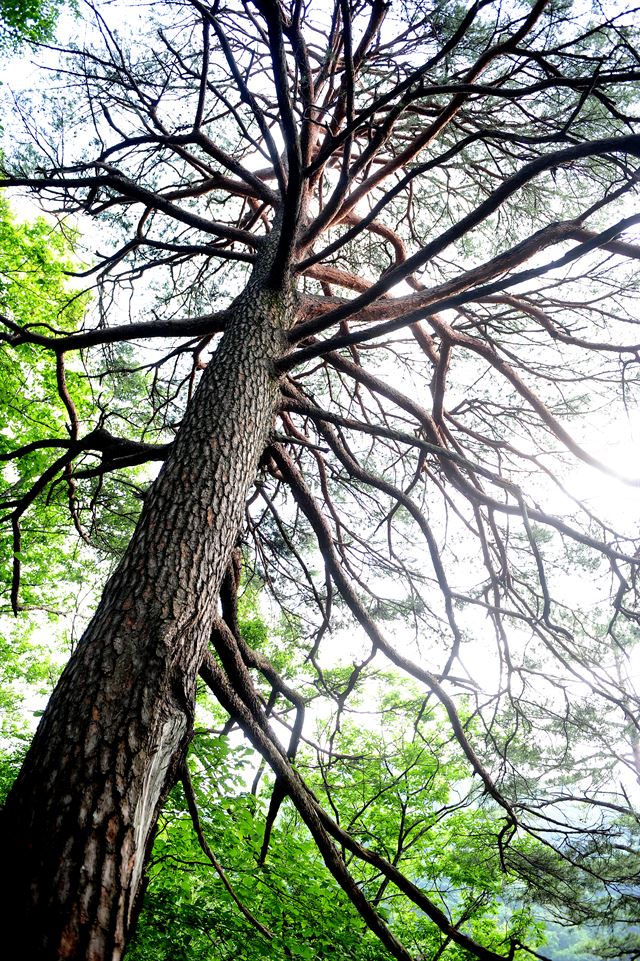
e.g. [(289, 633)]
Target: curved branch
[(625, 145)]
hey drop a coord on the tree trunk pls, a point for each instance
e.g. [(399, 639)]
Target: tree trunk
[(80, 819)]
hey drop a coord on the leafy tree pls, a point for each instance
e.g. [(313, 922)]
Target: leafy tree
[(387, 252), (403, 790), (34, 288), (32, 21), (288, 897)]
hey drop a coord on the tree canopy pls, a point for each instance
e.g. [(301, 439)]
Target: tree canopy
[(31, 21), (363, 278)]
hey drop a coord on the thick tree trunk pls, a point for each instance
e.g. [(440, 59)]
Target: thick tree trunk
[(79, 821)]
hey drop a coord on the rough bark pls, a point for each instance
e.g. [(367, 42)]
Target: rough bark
[(75, 853)]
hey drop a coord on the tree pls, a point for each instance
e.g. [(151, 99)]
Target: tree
[(30, 21), (33, 287), (389, 253), (401, 787)]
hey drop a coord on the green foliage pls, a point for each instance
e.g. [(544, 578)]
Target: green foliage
[(57, 570), (400, 788), (34, 291), (30, 21), (400, 791), (188, 912), (28, 671)]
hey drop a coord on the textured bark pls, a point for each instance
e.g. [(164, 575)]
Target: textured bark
[(114, 735)]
